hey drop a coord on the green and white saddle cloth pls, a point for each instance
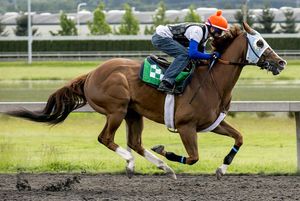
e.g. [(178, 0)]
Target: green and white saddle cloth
[(153, 69)]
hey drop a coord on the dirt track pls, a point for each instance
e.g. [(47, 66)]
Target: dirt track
[(144, 187)]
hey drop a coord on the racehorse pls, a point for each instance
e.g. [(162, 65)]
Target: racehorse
[(115, 90)]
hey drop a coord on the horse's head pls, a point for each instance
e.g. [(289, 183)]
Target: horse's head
[(260, 53)]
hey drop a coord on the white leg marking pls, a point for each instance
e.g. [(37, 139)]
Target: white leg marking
[(124, 154), (153, 159), (223, 168), (129, 159), (130, 163), (159, 163)]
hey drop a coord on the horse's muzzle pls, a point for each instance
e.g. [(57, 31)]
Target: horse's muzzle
[(274, 68), (279, 68)]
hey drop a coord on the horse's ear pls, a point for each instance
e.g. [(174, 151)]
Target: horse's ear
[(247, 28)]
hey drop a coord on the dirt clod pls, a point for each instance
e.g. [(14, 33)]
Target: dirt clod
[(65, 185), (22, 184)]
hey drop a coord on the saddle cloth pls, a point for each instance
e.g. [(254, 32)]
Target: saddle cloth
[(153, 69)]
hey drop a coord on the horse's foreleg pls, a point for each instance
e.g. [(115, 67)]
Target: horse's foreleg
[(225, 129), (107, 135), (134, 123), (134, 128), (189, 140)]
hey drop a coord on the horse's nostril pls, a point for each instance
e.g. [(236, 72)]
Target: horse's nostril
[(282, 63)]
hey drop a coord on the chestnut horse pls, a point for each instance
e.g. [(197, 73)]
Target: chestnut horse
[(115, 90)]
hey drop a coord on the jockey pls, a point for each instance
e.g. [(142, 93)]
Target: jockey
[(186, 41)]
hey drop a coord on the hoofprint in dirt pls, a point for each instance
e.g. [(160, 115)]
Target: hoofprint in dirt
[(148, 187)]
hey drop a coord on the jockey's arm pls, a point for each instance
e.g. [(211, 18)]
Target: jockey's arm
[(195, 54)]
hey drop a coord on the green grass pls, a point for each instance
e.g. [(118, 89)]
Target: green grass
[(67, 70), (28, 90), (291, 72), (266, 93), (269, 146)]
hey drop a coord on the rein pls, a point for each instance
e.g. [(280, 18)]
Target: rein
[(226, 63), (235, 63), (240, 63), (208, 72), (205, 76)]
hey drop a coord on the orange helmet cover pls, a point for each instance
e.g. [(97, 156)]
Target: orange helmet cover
[(218, 21)]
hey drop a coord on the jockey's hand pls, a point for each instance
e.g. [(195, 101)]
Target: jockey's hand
[(215, 55)]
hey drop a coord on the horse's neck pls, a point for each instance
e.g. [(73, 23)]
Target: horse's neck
[(226, 76)]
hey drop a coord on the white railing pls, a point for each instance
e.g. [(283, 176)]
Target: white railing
[(72, 38), (236, 106), (118, 37), (85, 55)]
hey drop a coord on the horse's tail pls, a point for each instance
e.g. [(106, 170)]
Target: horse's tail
[(59, 105)]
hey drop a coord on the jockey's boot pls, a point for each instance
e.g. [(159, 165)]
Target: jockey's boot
[(165, 86)]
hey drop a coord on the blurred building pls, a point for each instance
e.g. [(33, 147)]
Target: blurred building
[(49, 21)]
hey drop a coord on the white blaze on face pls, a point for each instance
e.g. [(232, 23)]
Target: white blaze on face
[(254, 51)]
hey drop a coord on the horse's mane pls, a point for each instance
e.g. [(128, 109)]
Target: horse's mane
[(222, 43)]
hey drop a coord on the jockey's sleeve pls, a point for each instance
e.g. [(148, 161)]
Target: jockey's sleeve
[(194, 53)]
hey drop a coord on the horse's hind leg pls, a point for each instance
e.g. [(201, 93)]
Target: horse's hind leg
[(188, 137), (107, 135), (225, 129), (134, 123)]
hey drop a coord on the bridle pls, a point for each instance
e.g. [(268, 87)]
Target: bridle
[(263, 65), (244, 63)]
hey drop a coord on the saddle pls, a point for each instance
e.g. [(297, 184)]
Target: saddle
[(164, 63), (160, 61), (154, 67)]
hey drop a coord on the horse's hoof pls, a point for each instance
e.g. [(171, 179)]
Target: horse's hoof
[(219, 173), (169, 172), (158, 149), (172, 175), (129, 172)]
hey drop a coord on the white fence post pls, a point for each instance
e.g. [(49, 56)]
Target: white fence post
[(29, 31), (297, 115)]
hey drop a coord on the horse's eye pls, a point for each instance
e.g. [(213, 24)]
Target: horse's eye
[(260, 44)]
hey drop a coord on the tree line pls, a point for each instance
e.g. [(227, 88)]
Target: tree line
[(69, 6), (265, 21), (130, 24)]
